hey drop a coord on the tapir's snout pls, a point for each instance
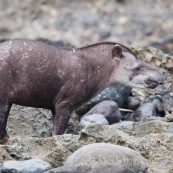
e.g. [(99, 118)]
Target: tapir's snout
[(161, 81), (154, 81)]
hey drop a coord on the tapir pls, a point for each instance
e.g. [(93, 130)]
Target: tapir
[(36, 74)]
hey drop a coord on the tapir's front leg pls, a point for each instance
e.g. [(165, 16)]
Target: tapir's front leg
[(4, 111), (61, 115)]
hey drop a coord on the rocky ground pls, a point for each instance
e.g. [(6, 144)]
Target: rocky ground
[(132, 22), (139, 24)]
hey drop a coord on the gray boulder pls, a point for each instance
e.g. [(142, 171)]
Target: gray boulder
[(105, 153), (93, 119), (28, 166), (118, 94), (107, 108), (153, 108), (105, 168)]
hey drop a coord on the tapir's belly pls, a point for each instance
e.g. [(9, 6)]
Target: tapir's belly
[(39, 99), (36, 90)]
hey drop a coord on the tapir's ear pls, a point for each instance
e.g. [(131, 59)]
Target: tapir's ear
[(117, 51)]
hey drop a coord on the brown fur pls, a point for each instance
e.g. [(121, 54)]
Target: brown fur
[(39, 75)]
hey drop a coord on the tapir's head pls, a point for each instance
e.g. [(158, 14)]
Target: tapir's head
[(129, 70)]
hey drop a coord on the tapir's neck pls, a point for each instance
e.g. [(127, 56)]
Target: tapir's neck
[(100, 58)]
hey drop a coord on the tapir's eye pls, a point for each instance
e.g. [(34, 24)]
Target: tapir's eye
[(137, 69), (121, 55)]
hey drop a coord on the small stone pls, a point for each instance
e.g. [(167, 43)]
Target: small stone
[(167, 125), (133, 103)]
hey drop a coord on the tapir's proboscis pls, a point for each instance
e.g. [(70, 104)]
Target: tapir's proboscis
[(39, 75)]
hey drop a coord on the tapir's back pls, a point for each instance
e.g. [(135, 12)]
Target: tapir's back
[(28, 71)]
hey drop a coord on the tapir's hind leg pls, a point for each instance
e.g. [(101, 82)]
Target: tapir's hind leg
[(61, 115), (4, 111)]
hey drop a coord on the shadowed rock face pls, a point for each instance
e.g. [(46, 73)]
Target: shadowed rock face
[(39, 75)]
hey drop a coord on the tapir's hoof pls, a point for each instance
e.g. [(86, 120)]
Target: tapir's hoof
[(4, 140)]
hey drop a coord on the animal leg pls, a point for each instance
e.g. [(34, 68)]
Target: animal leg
[(4, 111), (61, 115)]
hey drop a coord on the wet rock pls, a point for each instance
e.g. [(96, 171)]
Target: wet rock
[(28, 166), (107, 108), (105, 153), (105, 168), (93, 119), (118, 94)]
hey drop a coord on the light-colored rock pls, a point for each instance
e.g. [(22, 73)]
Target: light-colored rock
[(103, 168), (152, 125), (27, 121), (4, 155), (35, 122), (126, 126), (93, 119), (156, 148), (146, 126), (105, 153), (27, 166)]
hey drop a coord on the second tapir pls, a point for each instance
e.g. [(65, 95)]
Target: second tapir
[(39, 75)]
